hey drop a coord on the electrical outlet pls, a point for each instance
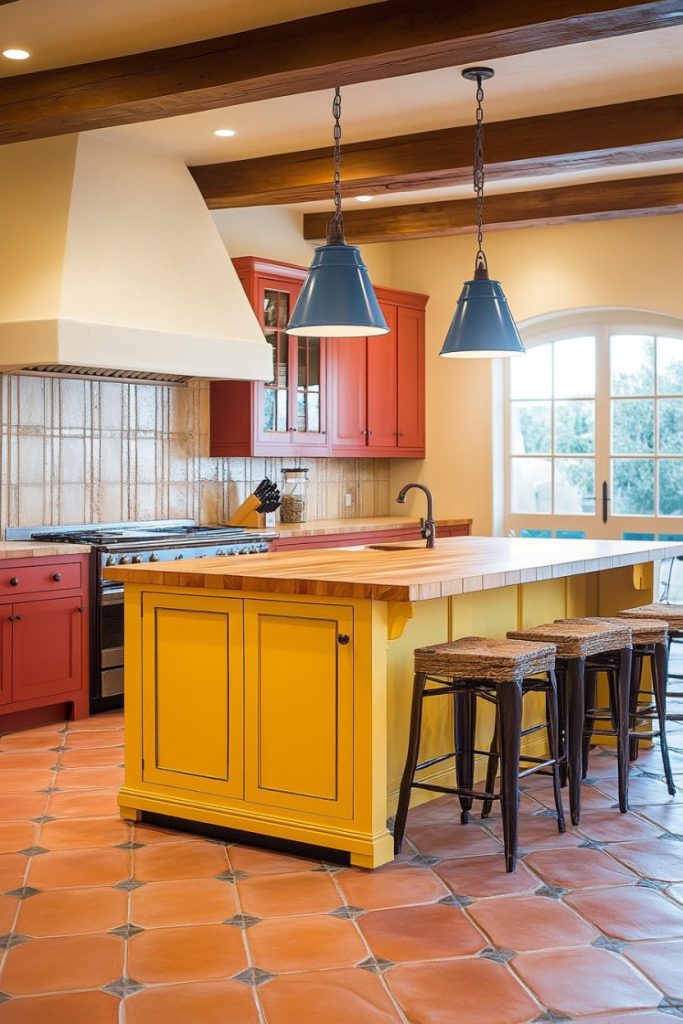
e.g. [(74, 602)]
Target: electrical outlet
[(349, 498)]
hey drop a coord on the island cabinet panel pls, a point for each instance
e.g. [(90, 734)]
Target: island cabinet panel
[(286, 415), (192, 693), (376, 386), (47, 646), (299, 707)]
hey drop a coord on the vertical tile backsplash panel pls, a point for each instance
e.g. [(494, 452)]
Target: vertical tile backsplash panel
[(76, 451)]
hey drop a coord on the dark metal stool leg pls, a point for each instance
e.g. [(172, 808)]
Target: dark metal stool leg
[(492, 766), (464, 728), (574, 705), (509, 696), (553, 717), (659, 663), (637, 665), (411, 760), (561, 676), (622, 710), (590, 689)]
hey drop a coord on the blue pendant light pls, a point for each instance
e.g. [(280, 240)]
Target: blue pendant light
[(337, 299), (482, 325)]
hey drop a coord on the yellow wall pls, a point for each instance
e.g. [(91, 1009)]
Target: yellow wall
[(633, 263)]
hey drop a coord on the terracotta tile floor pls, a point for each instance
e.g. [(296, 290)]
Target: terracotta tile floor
[(106, 923)]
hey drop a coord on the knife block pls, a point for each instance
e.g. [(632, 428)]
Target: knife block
[(247, 514)]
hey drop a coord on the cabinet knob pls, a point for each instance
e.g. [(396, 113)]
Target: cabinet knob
[(343, 639), (15, 618), (14, 582), (57, 577)]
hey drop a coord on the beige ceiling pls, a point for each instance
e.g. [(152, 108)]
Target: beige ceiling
[(61, 32), (583, 75)]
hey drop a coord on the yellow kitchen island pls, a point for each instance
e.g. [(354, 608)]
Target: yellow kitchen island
[(270, 694)]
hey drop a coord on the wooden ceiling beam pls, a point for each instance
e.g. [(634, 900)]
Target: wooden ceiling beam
[(615, 134), (380, 40), (602, 200)]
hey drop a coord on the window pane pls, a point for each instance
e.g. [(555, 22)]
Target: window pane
[(670, 413), (633, 487), (282, 310), (301, 362), (281, 405), (530, 485), (670, 366), (632, 364), (271, 338), (633, 426), (270, 308), (313, 411), (269, 409), (531, 377), (574, 367), (574, 487), (575, 428), (671, 487), (282, 361), (530, 428)]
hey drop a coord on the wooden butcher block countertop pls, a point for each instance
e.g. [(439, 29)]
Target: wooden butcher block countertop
[(407, 572), (32, 549)]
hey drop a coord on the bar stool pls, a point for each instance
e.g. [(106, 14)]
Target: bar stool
[(649, 638), (578, 642), (497, 671), (672, 614)]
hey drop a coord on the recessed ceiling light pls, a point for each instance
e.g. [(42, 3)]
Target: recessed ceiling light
[(364, 199), (14, 54), (224, 133)]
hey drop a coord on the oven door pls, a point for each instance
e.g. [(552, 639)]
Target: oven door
[(110, 613)]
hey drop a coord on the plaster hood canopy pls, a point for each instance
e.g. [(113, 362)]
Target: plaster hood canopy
[(111, 261)]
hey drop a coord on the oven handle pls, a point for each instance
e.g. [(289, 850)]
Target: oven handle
[(112, 596)]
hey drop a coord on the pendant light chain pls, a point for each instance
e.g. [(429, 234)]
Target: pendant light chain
[(480, 262), (335, 228)]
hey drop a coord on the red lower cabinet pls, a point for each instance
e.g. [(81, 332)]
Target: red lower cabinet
[(44, 635)]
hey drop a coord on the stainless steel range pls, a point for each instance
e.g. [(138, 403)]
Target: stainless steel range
[(129, 544)]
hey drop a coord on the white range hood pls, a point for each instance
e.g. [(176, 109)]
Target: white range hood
[(110, 260)]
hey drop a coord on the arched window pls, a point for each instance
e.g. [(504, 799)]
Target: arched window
[(594, 434)]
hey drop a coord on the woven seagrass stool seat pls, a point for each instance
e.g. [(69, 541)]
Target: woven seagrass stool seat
[(672, 614), (500, 672), (650, 639), (583, 644)]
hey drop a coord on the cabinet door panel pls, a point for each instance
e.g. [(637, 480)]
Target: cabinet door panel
[(192, 684), (299, 707), (382, 385), (411, 378), (5, 654), (348, 381), (46, 647)]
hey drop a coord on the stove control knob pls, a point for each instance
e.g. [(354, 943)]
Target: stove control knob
[(123, 560), (136, 559), (178, 557), (153, 557), (110, 560), (232, 551), (221, 553)]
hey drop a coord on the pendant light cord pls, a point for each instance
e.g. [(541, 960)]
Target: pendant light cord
[(480, 261), (335, 227)]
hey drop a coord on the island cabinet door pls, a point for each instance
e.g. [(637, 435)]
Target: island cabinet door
[(192, 690), (299, 707)]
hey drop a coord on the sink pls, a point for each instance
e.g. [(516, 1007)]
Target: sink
[(405, 545)]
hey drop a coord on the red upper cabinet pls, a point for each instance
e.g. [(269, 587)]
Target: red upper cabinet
[(286, 415), (376, 385)]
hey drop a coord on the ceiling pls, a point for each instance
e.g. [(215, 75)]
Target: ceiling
[(594, 73), (61, 32)]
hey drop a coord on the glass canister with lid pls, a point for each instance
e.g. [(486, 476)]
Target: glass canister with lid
[(294, 495)]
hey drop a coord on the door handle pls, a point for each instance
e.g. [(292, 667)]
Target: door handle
[(15, 618), (605, 501)]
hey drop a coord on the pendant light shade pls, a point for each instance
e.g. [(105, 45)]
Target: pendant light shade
[(337, 299), (482, 325)]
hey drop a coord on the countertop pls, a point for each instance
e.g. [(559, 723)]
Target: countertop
[(32, 549), (409, 572), (321, 527)]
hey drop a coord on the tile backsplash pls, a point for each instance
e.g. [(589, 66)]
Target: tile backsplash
[(76, 451)]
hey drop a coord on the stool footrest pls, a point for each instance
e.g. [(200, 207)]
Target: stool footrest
[(475, 794), (433, 761), (538, 763)]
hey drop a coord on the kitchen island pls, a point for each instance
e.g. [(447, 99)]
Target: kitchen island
[(270, 694)]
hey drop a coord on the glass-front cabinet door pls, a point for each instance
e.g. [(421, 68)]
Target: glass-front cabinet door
[(292, 411)]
